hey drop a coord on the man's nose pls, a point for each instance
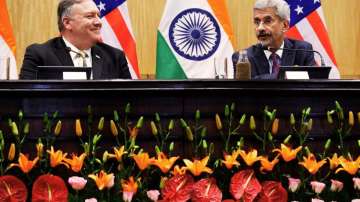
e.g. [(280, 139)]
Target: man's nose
[(97, 21), (260, 26)]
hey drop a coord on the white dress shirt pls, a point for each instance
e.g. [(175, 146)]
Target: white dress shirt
[(268, 53)]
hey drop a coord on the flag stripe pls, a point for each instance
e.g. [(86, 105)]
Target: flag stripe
[(5, 27), (307, 32), (125, 13), (218, 7), (321, 32), (117, 23), (294, 33), (167, 66)]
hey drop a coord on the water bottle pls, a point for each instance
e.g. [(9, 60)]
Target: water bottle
[(243, 67)]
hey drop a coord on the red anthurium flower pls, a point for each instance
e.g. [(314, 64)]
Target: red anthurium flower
[(272, 191), (12, 189), (49, 188), (206, 190), (245, 185), (178, 188)]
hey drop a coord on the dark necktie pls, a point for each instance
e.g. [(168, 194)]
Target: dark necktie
[(275, 62)]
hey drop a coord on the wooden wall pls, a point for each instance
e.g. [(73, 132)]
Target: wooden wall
[(35, 21)]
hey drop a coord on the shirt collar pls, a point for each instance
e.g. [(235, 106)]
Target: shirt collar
[(279, 52), (72, 47)]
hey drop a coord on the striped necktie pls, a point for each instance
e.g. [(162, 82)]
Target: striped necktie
[(275, 62), (83, 56)]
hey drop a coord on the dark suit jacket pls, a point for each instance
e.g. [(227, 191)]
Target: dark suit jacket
[(260, 64), (107, 62)]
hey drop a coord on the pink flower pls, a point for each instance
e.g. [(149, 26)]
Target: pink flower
[(356, 181), (153, 194), (317, 187), (316, 200), (294, 184), (355, 200), (91, 200), (77, 183), (336, 186), (127, 196)]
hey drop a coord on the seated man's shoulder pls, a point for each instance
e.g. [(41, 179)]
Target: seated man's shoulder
[(50, 43), (109, 49), (300, 43)]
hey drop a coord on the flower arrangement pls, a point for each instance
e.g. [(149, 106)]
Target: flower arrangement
[(257, 165)]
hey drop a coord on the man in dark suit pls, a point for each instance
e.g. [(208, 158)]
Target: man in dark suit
[(271, 21), (79, 45)]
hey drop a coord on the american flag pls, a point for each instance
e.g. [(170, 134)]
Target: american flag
[(117, 31), (308, 23)]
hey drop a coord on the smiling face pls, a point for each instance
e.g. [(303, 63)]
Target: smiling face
[(269, 27), (82, 26)]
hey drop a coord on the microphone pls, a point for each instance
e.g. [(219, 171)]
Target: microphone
[(71, 50), (264, 47)]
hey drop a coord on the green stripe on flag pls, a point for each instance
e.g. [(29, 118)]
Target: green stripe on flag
[(167, 66)]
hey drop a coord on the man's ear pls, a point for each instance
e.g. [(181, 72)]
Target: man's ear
[(66, 23), (286, 25)]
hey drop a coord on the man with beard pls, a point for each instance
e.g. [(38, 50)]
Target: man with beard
[(79, 45), (271, 21)]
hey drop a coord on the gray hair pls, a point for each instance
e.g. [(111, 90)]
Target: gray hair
[(281, 7), (63, 10)]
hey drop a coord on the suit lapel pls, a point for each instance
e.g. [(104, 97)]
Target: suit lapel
[(261, 61), (96, 62), (288, 57), (62, 54)]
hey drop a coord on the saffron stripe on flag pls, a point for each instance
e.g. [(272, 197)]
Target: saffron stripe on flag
[(5, 27), (320, 30), (117, 23), (218, 6)]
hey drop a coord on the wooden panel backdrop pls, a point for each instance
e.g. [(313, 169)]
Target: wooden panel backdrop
[(35, 21)]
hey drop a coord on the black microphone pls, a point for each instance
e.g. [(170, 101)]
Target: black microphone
[(265, 47), (71, 50)]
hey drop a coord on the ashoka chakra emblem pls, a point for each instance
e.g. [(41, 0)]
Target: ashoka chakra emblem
[(194, 34)]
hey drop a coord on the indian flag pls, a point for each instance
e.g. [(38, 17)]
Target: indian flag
[(194, 40), (8, 68)]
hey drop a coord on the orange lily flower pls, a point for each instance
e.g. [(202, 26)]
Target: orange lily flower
[(178, 171), (103, 180), (118, 153), (142, 160), (334, 161), (230, 160), (287, 153), (76, 162), (129, 185), (349, 166), (267, 165), (24, 163), (57, 157), (129, 188), (249, 158), (197, 167), (163, 162), (311, 164)]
